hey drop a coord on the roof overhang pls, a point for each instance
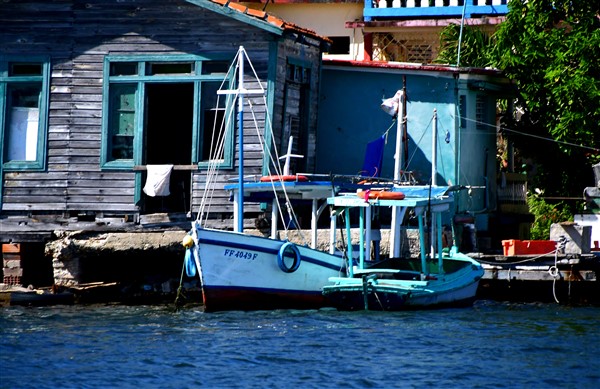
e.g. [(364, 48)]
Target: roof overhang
[(260, 19), (489, 80), (414, 67)]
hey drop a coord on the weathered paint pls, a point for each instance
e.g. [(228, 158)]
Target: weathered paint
[(78, 37), (350, 117)]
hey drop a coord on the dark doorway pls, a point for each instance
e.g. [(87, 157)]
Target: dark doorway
[(168, 140)]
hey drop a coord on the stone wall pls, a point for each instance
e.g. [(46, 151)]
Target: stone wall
[(83, 257)]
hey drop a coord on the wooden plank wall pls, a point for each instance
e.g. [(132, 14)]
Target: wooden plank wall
[(78, 35), (309, 53)]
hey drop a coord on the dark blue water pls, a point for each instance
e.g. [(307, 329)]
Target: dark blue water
[(491, 345)]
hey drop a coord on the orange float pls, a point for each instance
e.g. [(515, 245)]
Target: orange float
[(380, 195), (284, 178)]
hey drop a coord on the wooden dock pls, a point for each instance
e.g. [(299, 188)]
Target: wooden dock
[(568, 279)]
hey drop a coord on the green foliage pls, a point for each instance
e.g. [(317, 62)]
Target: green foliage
[(552, 51), (474, 50), (545, 215)]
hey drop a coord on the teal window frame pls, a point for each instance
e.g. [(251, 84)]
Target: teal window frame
[(6, 82), (144, 74)]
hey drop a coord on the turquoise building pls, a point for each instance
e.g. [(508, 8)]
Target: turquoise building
[(465, 99)]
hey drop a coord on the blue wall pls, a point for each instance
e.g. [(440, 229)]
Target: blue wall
[(350, 116)]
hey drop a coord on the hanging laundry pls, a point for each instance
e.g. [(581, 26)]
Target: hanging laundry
[(157, 182)]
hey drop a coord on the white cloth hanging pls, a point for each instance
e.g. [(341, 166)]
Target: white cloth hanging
[(157, 182)]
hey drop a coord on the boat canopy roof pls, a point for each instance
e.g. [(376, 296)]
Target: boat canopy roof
[(415, 196)]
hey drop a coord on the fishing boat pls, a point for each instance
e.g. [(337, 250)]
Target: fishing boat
[(438, 277), (241, 271)]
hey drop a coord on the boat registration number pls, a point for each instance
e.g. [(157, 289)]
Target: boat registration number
[(240, 254)]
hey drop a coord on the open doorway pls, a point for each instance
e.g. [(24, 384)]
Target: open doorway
[(168, 140)]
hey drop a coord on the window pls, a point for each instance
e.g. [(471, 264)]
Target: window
[(480, 113), (155, 68), (212, 119), (23, 112), (152, 105), (296, 112), (462, 109), (339, 45), (122, 121)]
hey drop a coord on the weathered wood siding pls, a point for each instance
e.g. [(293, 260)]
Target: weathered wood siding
[(77, 35), (311, 55)]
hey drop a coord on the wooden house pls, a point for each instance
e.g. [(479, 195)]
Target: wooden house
[(91, 93)]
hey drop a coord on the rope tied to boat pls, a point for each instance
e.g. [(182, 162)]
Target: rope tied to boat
[(188, 268), (180, 294), (553, 270)]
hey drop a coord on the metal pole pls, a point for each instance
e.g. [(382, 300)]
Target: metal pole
[(434, 150), (313, 225), (368, 236), (332, 229), (274, 217), (438, 223), (396, 219), (433, 225), (460, 35), (422, 243), (349, 239), (240, 226), (361, 238), (399, 138)]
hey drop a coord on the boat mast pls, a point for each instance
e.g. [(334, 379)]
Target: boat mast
[(433, 227), (240, 204), (396, 211), (240, 92)]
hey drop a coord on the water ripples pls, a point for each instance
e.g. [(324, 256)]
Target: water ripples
[(489, 345)]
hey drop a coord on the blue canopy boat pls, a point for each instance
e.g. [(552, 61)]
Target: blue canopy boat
[(438, 277)]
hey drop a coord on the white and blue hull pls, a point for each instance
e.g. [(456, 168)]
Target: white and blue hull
[(245, 272)]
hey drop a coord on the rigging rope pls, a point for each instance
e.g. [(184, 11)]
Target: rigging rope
[(274, 161), (502, 128), (214, 153), (217, 149)]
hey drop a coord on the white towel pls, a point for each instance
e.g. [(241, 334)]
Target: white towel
[(157, 183)]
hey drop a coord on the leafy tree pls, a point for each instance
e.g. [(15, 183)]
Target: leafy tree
[(552, 51)]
